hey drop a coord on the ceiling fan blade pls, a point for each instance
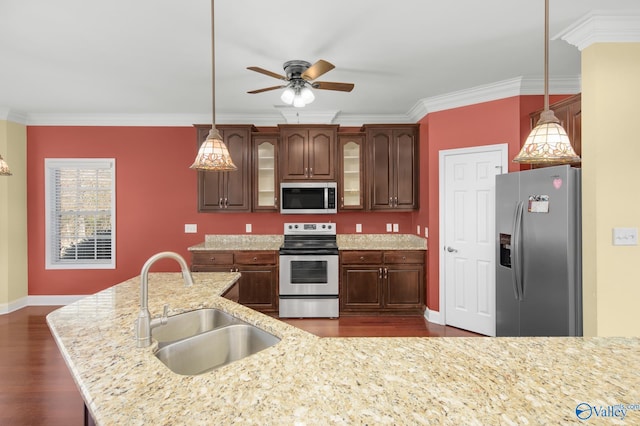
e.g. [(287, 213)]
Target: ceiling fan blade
[(328, 85), (317, 69), (267, 72), (266, 89)]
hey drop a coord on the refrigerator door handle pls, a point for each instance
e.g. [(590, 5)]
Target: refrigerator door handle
[(516, 270)]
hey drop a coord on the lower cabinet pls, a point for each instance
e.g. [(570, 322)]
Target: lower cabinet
[(377, 281), (257, 288)]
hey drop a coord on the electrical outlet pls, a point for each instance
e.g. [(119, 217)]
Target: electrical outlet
[(396, 228), (358, 227), (625, 236), (389, 227), (248, 228), (190, 228)]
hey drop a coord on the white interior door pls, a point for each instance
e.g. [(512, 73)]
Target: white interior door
[(468, 241)]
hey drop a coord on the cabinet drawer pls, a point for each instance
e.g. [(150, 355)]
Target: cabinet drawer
[(361, 257), (255, 258), (212, 258), (404, 257)]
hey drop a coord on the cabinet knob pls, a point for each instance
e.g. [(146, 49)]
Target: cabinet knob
[(404, 257), (255, 258), (361, 257), (212, 258), (379, 272)]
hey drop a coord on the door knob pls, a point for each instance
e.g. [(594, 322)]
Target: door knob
[(451, 250)]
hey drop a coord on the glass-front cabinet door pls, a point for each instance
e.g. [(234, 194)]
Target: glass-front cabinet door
[(265, 184), (351, 182)]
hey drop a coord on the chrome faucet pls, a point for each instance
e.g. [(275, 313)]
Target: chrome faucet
[(144, 324)]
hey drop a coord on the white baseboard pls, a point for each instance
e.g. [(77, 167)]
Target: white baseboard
[(51, 300), (433, 316), (23, 302), (6, 308)]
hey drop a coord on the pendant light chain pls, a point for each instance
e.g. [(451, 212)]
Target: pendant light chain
[(213, 69)]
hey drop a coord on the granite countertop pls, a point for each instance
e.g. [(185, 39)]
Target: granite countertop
[(306, 380), (345, 242)]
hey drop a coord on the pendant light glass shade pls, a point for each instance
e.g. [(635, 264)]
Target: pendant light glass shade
[(4, 168), (548, 142), (213, 155)]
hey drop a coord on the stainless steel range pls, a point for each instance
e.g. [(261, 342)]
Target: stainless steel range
[(309, 271)]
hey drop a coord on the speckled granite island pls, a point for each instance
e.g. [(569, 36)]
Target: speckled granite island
[(306, 380)]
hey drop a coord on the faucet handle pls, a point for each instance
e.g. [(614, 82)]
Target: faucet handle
[(165, 314)]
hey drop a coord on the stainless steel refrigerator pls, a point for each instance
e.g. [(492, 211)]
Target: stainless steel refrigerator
[(539, 253)]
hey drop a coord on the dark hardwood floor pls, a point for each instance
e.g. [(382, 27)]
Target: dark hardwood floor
[(36, 387)]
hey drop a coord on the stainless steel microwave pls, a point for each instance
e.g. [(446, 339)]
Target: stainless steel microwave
[(308, 198)]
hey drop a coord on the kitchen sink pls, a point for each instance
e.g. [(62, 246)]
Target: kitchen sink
[(191, 323), (213, 349)]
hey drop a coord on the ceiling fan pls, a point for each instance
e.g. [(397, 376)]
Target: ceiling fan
[(300, 76)]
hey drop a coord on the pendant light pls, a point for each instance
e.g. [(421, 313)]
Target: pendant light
[(4, 168), (548, 142), (213, 155)]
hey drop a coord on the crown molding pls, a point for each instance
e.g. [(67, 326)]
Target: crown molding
[(475, 95), (13, 115), (603, 27), (490, 92)]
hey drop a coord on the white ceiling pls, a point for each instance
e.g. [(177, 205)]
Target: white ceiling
[(123, 58)]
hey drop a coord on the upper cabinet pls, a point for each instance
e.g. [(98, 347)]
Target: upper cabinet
[(393, 166), (569, 112), (265, 172), (308, 152), (227, 191), (351, 150)]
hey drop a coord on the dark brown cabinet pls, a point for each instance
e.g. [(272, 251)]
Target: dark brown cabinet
[(392, 167), (308, 152), (387, 282), (569, 112), (227, 191), (257, 288)]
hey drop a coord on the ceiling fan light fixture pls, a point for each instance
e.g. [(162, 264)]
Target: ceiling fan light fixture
[(298, 101), (307, 95), (287, 95)]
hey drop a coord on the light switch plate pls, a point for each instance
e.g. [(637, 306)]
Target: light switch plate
[(418, 230), (426, 232), (248, 228), (190, 228), (358, 227), (395, 227), (625, 236), (388, 227)]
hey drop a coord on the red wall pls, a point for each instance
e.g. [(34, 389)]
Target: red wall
[(156, 191), (488, 123), (156, 194)]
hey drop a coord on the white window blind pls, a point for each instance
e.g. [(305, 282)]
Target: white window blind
[(80, 213)]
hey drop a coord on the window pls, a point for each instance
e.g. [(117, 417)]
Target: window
[(80, 213)]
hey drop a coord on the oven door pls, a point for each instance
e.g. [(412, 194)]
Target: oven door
[(308, 274)]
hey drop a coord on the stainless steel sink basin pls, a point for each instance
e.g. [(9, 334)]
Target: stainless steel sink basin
[(214, 349), (191, 323)]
